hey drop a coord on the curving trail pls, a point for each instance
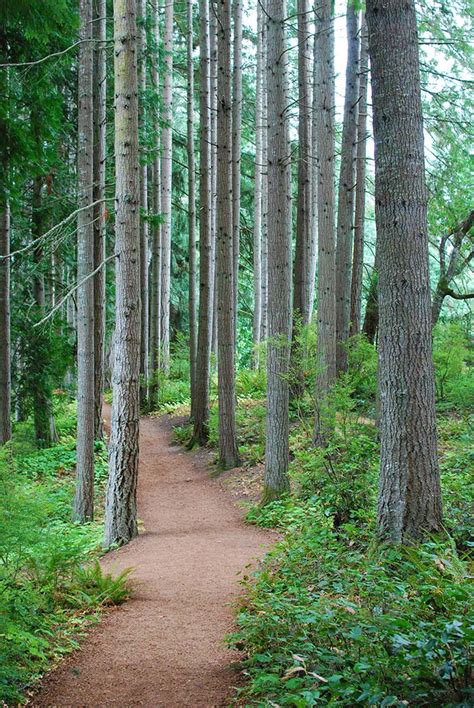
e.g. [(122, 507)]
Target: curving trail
[(165, 647)]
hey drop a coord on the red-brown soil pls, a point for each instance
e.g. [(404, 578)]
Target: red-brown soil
[(166, 645)]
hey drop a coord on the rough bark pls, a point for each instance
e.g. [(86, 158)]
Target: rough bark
[(409, 503), (359, 215), (264, 279), (276, 480), (236, 149), (257, 197), (100, 126), (324, 45), (200, 407), (302, 267), (84, 499), (213, 90), (121, 506), (346, 197), (166, 186), (5, 375), (191, 205), (155, 285), (144, 342), (228, 453)]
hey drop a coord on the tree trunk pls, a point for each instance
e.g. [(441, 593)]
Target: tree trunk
[(166, 186), (100, 126), (264, 279), (121, 506), (236, 149), (347, 176), (324, 45), (5, 375), (409, 491), (302, 267), (191, 206), (257, 199), (228, 454), (276, 480), (84, 499), (359, 217), (371, 319), (213, 90), (200, 406), (155, 286), (142, 14)]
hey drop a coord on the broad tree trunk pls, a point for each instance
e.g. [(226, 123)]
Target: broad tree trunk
[(228, 453), (191, 206), (409, 493), (100, 126), (302, 267), (276, 480), (324, 45), (5, 375), (347, 177), (155, 285), (142, 14), (257, 199), (200, 405), (264, 279), (84, 499), (213, 90), (121, 505), (166, 186), (236, 148), (359, 217)]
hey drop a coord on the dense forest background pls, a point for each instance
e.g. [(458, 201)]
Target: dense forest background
[(189, 220)]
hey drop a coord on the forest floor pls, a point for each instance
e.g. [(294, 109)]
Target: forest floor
[(166, 645)]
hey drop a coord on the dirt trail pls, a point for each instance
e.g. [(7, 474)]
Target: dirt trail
[(165, 647)]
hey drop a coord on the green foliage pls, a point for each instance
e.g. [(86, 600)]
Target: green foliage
[(454, 378), (330, 619)]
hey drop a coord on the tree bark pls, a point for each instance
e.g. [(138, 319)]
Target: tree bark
[(302, 267), (347, 178), (213, 90), (121, 506), (228, 453), (276, 480), (359, 217), (264, 279), (166, 186), (84, 499), (144, 349), (409, 503), (191, 206), (371, 319), (200, 406), (5, 353), (257, 198), (100, 126), (155, 286), (324, 45), (236, 149)]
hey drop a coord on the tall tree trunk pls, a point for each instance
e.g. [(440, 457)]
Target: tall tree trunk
[(5, 375), (166, 186), (371, 319), (155, 286), (236, 149), (264, 280), (276, 480), (45, 429), (100, 126), (347, 176), (213, 90), (409, 503), (302, 267), (142, 15), (84, 499), (200, 405), (324, 45), (257, 199), (121, 505), (228, 454), (359, 217), (191, 206)]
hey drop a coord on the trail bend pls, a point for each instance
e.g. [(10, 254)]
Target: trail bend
[(165, 647)]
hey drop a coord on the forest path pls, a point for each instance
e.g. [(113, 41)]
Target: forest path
[(165, 647)]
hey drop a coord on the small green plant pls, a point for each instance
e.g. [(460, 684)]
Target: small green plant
[(91, 587)]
